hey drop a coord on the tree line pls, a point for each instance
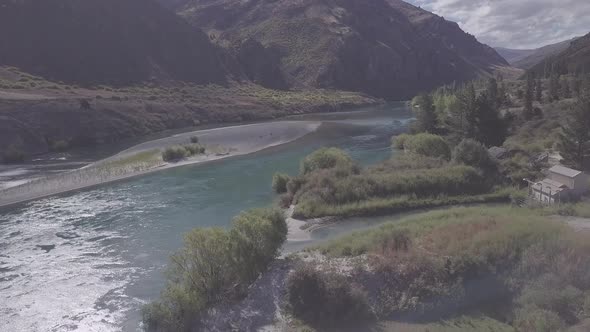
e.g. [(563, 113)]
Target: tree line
[(487, 113)]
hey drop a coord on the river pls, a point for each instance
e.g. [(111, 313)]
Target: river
[(89, 260)]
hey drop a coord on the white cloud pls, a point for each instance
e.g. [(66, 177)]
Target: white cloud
[(515, 23)]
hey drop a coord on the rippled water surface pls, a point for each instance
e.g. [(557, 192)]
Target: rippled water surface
[(89, 260)]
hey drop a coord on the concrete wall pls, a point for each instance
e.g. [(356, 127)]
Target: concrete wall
[(581, 184)]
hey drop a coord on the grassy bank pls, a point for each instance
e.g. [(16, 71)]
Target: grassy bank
[(513, 269)]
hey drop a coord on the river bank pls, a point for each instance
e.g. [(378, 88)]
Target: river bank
[(145, 158)]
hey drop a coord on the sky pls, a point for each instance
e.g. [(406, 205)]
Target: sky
[(515, 23)]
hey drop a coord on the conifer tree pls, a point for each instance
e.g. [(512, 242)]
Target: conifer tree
[(539, 90), (426, 118), (565, 91), (554, 86), (492, 92), (461, 119), (574, 143)]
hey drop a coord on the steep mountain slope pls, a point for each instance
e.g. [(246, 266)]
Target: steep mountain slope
[(513, 55), (574, 59), (542, 53), (386, 48), (111, 42)]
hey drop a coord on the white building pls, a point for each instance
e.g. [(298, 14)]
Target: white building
[(561, 184)]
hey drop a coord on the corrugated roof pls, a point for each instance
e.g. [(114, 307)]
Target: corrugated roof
[(562, 170)]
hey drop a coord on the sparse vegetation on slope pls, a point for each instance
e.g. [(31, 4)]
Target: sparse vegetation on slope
[(383, 48)]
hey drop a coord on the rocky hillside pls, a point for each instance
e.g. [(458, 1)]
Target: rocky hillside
[(386, 48), (574, 59), (111, 42)]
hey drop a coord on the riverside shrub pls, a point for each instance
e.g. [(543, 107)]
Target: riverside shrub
[(328, 158), (215, 264), (472, 153), (279, 183), (424, 144), (176, 153)]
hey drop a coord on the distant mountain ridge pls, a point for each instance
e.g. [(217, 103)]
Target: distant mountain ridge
[(528, 58), (111, 42), (514, 55), (385, 48), (574, 59)]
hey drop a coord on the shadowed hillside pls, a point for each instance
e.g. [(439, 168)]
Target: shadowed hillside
[(386, 48), (114, 42), (575, 59)]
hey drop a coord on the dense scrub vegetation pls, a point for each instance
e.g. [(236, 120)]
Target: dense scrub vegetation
[(512, 264), (216, 265), (332, 184), (526, 117)]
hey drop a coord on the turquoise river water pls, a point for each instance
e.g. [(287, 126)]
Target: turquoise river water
[(89, 260)]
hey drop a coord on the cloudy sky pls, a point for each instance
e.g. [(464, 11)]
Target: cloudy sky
[(515, 23)]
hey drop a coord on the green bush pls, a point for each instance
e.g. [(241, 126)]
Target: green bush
[(328, 158), (279, 183), (194, 149), (194, 139), (295, 184), (174, 153), (13, 155), (326, 299), (214, 265), (472, 153), (424, 144)]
